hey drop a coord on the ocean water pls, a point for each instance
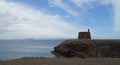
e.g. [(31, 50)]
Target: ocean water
[(13, 49)]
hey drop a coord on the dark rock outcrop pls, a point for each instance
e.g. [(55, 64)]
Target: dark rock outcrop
[(88, 48)]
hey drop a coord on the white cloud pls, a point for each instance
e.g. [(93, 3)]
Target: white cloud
[(106, 2), (115, 4), (18, 21), (116, 9), (86, 4), (83, 3), (64, 6)]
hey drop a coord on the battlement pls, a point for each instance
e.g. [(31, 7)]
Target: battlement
[(84, 35)]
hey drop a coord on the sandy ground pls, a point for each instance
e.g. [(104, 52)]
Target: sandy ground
[(62, 61)]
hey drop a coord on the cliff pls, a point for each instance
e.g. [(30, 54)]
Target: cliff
[(88, 48)]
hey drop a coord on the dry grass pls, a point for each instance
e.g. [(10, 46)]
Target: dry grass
[(62, 61)]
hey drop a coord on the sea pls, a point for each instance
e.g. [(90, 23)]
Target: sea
[(13, 49)]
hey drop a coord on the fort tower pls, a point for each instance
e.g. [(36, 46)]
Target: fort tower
[(84, 35)]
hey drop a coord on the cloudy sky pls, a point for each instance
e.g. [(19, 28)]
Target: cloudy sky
[(41, 19)]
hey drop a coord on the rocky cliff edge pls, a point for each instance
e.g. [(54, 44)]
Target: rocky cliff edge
[(88, 48)]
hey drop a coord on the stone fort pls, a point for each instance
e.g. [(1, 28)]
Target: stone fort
[(84, 35)]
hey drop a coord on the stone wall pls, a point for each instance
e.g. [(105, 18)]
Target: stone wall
[(84, 35)]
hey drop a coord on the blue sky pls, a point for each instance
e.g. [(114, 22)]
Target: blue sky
[(43, 19)]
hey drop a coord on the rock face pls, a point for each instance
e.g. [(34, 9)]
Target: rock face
[(85, 47), (88, 48)]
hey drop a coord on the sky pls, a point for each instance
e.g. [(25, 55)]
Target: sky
[(53, 19)]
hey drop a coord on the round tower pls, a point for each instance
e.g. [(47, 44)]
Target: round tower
[(84, 35)]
